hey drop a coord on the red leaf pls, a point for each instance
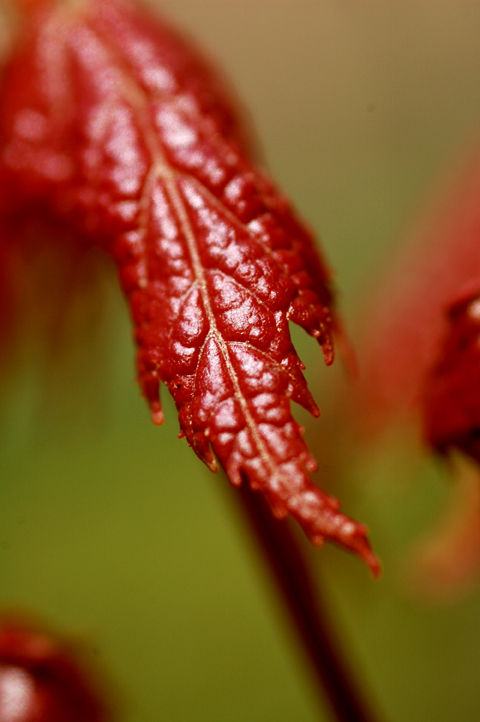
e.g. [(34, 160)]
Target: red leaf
[(42, 680), (408, 318), (451, 390), (421, 359), (112, 123)]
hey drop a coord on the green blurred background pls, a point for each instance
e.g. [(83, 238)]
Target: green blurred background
[(111, 529)]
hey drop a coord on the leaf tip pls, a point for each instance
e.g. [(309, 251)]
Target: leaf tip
[(315, 411), (212, 464), (360, 545), (157, 414), (328, 351), (311, 465), (373, 562)]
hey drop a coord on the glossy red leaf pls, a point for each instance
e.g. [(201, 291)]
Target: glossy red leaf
[(111, 123)]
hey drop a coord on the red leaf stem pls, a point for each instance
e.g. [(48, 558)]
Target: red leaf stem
[(304, 603)]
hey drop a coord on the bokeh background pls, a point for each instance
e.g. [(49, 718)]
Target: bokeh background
[(113, 531)]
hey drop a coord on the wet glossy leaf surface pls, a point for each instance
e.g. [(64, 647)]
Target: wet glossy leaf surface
[(112, 126)]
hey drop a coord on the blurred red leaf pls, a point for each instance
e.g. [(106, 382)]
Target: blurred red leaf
[(113, 125), (41, 679), (450, 398), (410, 314), (420, 360)]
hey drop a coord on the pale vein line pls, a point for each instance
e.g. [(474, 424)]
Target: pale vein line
[(161, 169), (208, 195)]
